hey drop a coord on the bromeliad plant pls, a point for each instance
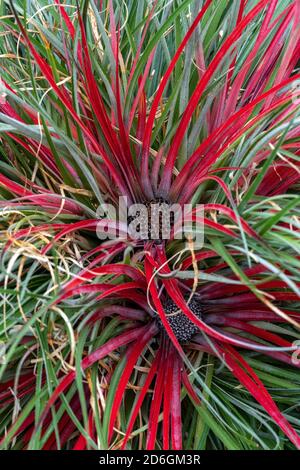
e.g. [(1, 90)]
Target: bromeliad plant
[(150, 344)]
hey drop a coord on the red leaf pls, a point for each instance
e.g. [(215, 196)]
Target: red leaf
[(142, 394), (132, 357), (232, 38), (89, 360), (246, 375), (155, 408), (176, 425), (159, 93)]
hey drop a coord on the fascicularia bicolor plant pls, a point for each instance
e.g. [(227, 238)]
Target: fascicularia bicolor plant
[(150, 343)]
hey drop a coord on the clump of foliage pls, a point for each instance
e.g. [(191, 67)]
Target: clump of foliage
[(188, 102)]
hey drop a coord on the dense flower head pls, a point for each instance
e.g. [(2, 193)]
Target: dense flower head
[(183, 328)]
